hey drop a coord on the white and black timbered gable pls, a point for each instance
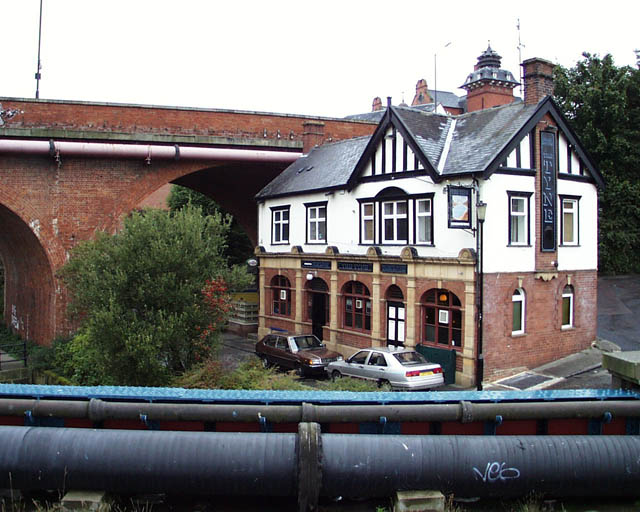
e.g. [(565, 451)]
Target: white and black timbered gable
[(392, 152), (570, 160)]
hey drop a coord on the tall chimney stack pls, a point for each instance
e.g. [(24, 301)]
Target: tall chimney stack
[(538, 80)]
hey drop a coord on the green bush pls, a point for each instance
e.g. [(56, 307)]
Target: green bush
[(212, 374)]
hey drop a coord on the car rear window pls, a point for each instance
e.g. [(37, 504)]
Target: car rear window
[(409, 358)]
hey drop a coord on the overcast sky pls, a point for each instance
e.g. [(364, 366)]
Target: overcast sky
[(326, 58)]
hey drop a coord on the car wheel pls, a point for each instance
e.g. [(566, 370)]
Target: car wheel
[(336, 375), (300, 371), (384, 385), (265, 362)]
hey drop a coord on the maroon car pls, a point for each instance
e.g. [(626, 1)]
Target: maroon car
[(304, 353)]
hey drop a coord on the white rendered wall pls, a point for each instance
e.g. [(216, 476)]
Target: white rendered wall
[(498, 255), (584, 256), (343, 220)]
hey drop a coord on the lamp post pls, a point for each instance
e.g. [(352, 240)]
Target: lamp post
[(39, 67), (481, 212), (435, 78)]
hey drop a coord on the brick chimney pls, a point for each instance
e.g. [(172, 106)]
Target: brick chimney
[(422, 94), (377, 104), (312, 135), (538, 80)]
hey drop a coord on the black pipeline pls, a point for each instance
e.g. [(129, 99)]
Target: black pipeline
[(310, 464), (466, 412)]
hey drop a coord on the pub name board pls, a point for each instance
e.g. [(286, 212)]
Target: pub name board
[(548, 184), (351, 266)]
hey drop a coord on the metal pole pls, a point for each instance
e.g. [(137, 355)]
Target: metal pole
[(38, 75), (435, 83)]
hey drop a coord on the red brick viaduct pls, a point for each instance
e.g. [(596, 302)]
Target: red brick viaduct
[(69, 169)]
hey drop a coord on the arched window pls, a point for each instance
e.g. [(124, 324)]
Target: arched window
[(356, 306), (567, 307), (442, 318), (519, 308), (281, 289)]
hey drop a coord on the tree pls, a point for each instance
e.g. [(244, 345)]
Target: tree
[(139, 296), (602, 103), (239, 247)]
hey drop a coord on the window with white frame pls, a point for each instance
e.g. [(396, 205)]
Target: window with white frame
[(316, 223), (519, 218), (280, 225), (567, 307), (368, 222), (569, 222), (424, 221), (395, 222), (518, 307)]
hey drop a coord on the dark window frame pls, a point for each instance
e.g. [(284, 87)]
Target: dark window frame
[(348, 293), (280, 283), (411, 217), (280, 209), (453, 306), (576, 227), (317, 204), (522, 195)]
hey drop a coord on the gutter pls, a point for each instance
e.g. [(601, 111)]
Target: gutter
[(147, 152)]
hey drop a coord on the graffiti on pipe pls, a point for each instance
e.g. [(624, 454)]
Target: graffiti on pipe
[(496, 472)]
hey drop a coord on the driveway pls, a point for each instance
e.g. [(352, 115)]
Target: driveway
[(619, 310)]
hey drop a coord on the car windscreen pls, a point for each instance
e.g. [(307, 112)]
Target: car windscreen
[(409, 358), (304, 342)]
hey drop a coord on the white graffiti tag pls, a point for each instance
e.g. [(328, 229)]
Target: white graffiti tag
[(495, 472)]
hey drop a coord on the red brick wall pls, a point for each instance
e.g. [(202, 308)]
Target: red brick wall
[(67, 203), (139, 119), (488, 96), (544, 339)]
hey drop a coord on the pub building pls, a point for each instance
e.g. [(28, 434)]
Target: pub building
[(467, 228)]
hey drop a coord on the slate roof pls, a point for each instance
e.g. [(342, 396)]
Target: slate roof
[(478, 142), (480, 136), (325, 167)]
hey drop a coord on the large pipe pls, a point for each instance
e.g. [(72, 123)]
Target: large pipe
[(148, 152), (216, 463), (465, 412)]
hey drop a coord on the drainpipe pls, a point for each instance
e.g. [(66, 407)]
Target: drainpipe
[(481, 210), (148, 152)]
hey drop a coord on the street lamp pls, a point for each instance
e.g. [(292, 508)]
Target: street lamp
[(481, 212)]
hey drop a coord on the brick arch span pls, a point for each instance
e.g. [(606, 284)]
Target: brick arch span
[(29, 289), (232, 185)]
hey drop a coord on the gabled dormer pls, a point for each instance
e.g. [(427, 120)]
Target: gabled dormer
[(395, 150), (518, 154)]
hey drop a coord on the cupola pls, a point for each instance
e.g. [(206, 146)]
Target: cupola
[(489, 85)]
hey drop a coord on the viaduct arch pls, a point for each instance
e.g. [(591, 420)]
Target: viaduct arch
[(69, 169)]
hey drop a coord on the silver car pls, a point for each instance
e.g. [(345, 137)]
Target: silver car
[(400, 369)]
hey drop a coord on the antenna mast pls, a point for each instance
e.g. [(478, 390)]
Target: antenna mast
[(38, 75), (520, 47)]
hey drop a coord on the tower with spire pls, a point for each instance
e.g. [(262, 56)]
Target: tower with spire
[(489, 85)]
